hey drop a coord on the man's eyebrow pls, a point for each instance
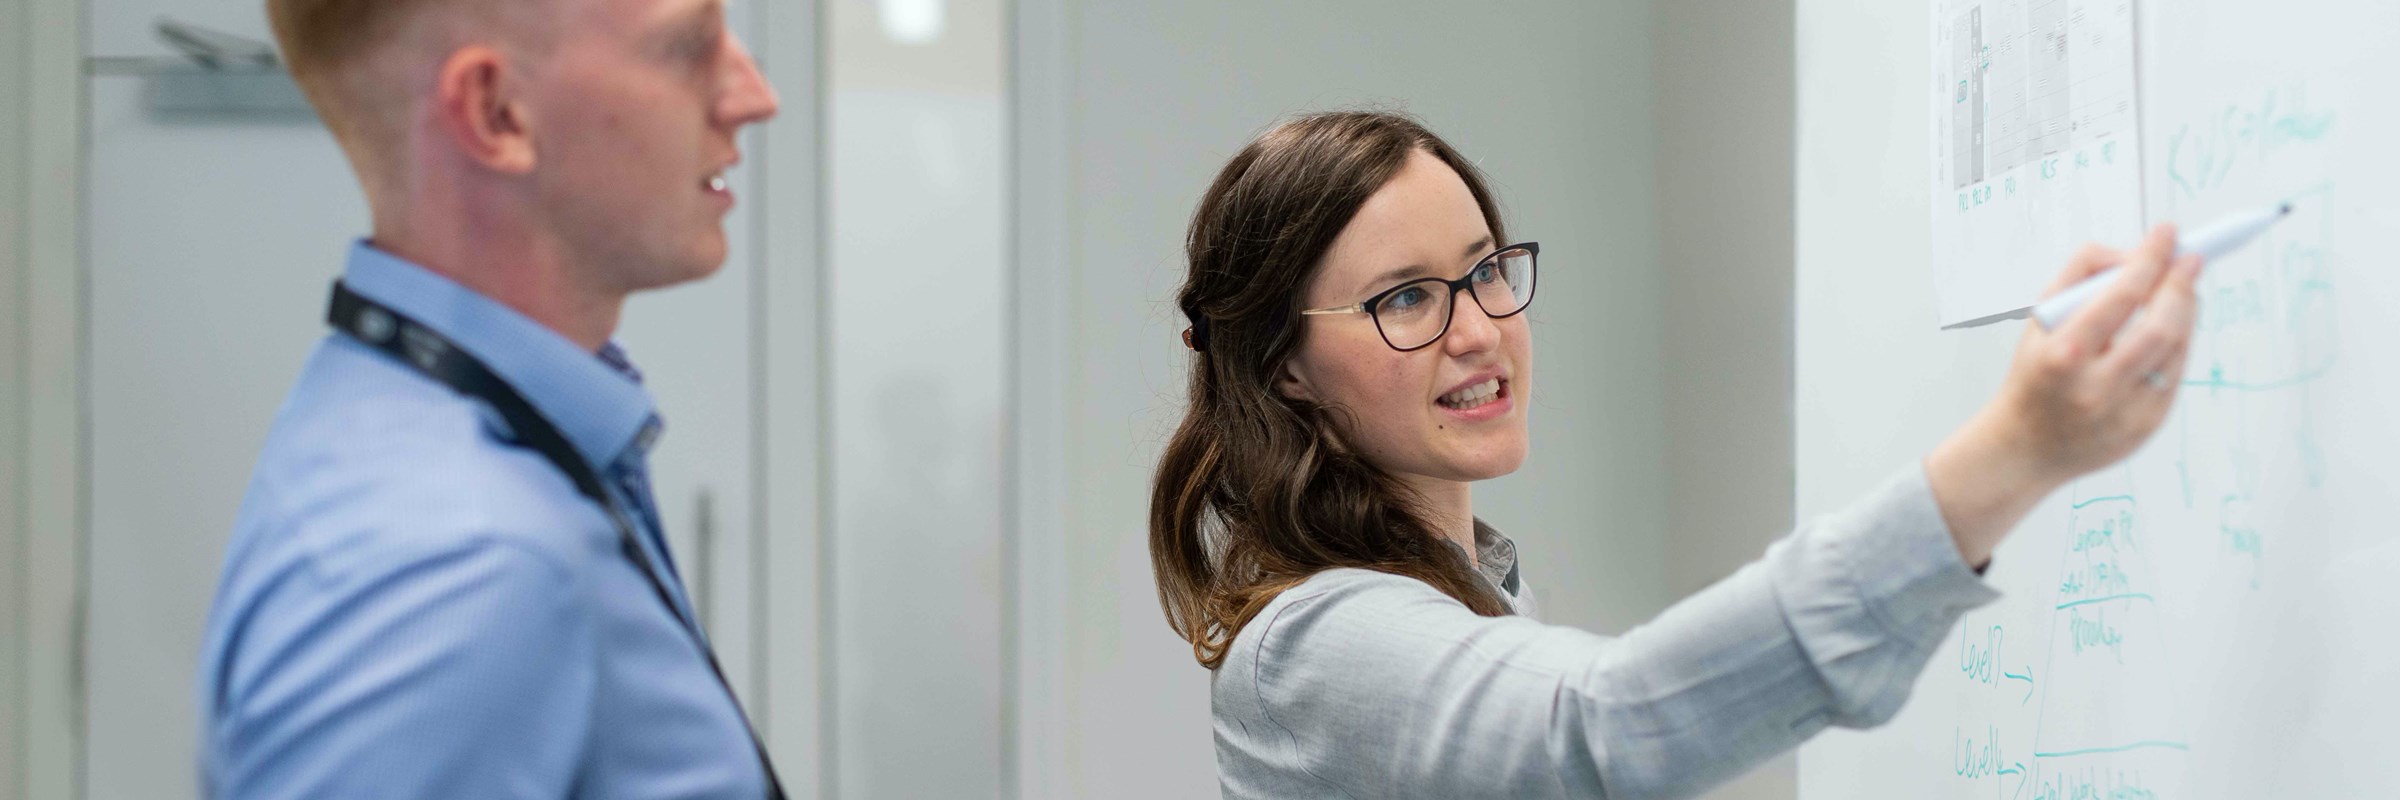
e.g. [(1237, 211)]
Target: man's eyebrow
[(701, 21)]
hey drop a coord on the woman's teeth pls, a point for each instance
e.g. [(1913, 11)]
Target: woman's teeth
[(716, 183), (1472, 396)]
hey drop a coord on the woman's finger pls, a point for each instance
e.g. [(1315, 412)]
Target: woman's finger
[(2159, 399), (2137, 355), (2175, 365), (2097, 323), (2165, 326), (2088, 260)]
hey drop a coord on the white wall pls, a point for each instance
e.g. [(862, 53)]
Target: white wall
[(1553, 99), (916, 265), (1725, 211), (1724, 158)]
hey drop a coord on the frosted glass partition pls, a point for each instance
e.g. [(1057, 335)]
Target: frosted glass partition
[(916, 289), (212, 242)]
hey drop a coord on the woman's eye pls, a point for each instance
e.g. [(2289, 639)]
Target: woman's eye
[(1485, 273), (1406, 299)]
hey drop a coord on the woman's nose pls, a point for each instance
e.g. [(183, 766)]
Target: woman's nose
[(1471, 330)]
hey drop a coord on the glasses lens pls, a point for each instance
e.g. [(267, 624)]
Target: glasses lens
[(1414, 314), (1504, 282)]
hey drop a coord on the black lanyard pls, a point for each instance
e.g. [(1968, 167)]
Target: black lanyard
[(432, 355)]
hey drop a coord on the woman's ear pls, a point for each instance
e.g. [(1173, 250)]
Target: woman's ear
[(1292, 382)]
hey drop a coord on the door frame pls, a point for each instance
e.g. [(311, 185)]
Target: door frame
[(791, 557), (42, 416), (1037, 740)]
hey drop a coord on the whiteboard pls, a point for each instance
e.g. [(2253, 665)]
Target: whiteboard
[(2217, 616)]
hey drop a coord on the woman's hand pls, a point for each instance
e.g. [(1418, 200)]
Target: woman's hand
[(2077, 398)]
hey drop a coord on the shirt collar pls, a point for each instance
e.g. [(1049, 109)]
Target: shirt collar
[(1496, 558), (597, 401)]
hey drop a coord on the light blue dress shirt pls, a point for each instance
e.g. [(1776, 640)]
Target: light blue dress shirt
[(413, 608)]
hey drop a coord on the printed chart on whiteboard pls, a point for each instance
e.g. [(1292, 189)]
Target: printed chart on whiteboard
[(2035, 145)]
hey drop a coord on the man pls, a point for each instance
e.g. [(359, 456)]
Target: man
[(448, 578)]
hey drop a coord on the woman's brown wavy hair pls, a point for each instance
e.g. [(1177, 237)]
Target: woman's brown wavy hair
[(1255, 492)]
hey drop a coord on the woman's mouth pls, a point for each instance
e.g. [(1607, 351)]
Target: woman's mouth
[(1473, 397)]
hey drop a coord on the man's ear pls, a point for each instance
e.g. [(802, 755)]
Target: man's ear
[(478, 98)]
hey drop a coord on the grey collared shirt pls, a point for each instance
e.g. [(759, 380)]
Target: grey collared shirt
[(1363, 684), (1496, 558)]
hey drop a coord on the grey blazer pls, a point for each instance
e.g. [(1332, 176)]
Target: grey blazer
[(1362, 684)]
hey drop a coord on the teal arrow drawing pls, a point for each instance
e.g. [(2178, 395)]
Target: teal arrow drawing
[(2027, 678)]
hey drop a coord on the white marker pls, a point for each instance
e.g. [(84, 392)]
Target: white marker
[(2210, 243)]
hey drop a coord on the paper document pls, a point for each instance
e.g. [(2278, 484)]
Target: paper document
[(2034, 142)]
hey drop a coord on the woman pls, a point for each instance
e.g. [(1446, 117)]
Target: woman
[(1362, 359)]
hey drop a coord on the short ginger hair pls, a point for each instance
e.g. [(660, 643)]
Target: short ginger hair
[(337, 53), (327, 44), (321, 36)]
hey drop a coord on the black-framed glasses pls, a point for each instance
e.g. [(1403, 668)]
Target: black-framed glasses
[(1417, 313)]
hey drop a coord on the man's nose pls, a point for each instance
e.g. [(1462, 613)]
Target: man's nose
[(748, 98)]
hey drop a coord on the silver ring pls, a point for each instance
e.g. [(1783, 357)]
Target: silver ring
[(2156, 380)]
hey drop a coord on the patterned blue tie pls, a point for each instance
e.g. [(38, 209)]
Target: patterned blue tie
[(632, 474), (633, 481)]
